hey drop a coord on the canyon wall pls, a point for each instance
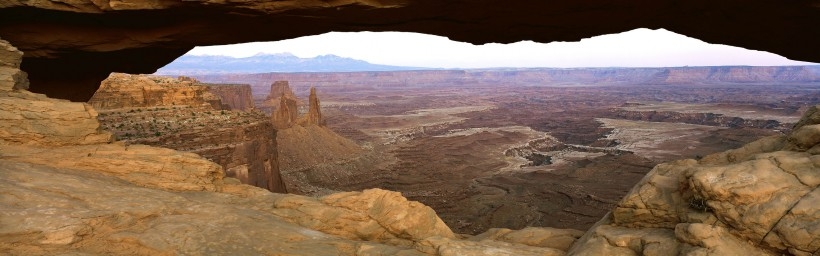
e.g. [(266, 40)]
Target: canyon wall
[(135, 91), (178, 113), (698, 118), (739, 75), (233, 96), (246, 151)]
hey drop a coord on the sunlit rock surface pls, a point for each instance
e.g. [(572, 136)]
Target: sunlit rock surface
[(760, 199)]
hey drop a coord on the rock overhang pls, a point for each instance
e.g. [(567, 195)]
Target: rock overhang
[(72, 45)]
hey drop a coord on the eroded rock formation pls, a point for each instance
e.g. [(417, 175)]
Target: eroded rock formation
[(234, 96), (181, 114), (760, 199), (314, 115), (279, 88), (287, 113), (710, 119), (34, 119), (60, 38), (135, 91)]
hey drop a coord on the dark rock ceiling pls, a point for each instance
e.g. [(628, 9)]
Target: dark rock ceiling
[(71, 45)]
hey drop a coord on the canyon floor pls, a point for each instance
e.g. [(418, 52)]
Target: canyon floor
[(494, 156)]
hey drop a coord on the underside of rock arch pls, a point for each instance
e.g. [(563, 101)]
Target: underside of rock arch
[(72, 45)]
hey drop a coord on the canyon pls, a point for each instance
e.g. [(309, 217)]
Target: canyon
[(511, 149)]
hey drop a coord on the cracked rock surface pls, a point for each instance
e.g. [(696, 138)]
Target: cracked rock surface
[(760, 199)]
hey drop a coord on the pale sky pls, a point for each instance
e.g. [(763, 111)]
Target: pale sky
[(635, 48)]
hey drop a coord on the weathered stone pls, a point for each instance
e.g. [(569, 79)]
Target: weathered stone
[(33, 119), (760, 199), (451, 247), (806, 136), (371, 215), (560, 239), (11, 77), (141, 165), (314, 115), (59, 211), (750, 196), (234, 96), (799, 230), (286, 114), (134, 91), (656, 201), (611, 240), (702, 239)]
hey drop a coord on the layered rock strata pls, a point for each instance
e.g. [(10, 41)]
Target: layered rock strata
[(135, 91), (34, 119), (710, 119), (233, 96), (179, 114)]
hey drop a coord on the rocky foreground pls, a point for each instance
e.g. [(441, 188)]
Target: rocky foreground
[(68, 189)]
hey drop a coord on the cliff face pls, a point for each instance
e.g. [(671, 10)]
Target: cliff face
[(535, 77), (698, 118), (233, 96), (287, 113), (244, 144), (279, 88), (178, 114), (33, 119), (133, 91)]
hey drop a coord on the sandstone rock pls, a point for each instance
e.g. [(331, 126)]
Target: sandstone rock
[(760, 199), (134, 91), (33, 119), (371, 215), (612, 240), (233, 96), (656, 201), (751, 196), (243, 143), (314, 115), (279, 88), (806, 137), (452, 247), (811, 117), (141, 165), (560, 239), (702, 239), (11, 77), (58, 211), (286, 114)]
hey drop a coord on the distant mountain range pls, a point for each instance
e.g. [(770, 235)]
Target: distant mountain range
[(264, 63)]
